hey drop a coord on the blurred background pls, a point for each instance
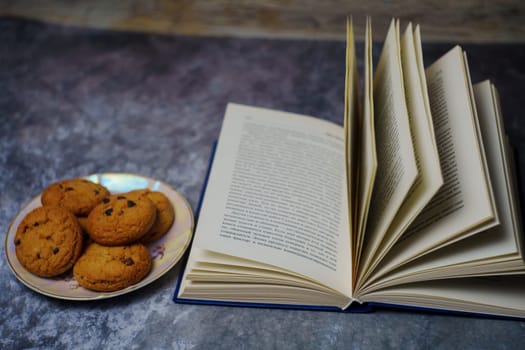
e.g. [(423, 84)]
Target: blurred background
[(473, 21)]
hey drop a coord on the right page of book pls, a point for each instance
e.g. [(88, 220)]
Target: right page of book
[(352, 121), (367, 153), (498, 295), (464, 204), (429, 178), (397, 169), (496, 250)]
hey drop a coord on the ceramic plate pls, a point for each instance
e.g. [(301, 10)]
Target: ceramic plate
[(166, 251)]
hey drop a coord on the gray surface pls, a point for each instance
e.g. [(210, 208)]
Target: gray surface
[(76, 101)]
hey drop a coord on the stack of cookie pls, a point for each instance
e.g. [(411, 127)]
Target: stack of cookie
[(49, 239)]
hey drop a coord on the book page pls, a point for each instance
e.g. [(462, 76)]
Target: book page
[(351, 123), (423, 79), (214, 267), (502, 295), (509, 165), (463, 205), (427, 159), (494, 249), (367, 162), (277, 195), (396, 159), (213, 276), (264, 293)]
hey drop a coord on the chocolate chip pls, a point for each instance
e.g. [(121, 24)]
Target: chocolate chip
[(17, 242), (96, 192), (105, 200), (121, 197), (128, 261), (38, 255), (36, 224), (67, 189), (131, 204), (108, 212), (55, 250)]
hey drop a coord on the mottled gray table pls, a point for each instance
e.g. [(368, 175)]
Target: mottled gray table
[(77, 101)]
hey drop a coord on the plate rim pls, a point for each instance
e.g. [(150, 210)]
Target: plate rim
[(103, 295)]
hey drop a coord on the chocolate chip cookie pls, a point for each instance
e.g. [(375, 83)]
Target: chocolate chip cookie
[(106, 269), (48, 241), (165, 214), (120, 220), (79, 196)]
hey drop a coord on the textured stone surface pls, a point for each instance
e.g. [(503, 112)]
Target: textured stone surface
[(77, 101)]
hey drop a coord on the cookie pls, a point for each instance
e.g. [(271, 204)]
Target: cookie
[(165, 214), (120, 220), (48, 241), (106, 269), (79, 196)]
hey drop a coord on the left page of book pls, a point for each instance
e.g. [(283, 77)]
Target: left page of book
[(276, 202)]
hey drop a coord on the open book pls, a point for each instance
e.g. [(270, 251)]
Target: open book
[(412, 202)]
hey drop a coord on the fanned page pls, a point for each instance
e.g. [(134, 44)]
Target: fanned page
[(463, 206), (423, 80), (351, 123), (508, 159), (367, 161), (429, 178), (494, 251), (396, 159), (276, 200), (427, 158)]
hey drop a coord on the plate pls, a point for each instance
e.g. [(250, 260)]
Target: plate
[(165, 252)]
